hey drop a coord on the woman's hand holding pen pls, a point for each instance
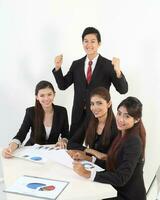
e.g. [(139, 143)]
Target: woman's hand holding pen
[(58, 62), (62, 143), (79, 169), (7, 152)]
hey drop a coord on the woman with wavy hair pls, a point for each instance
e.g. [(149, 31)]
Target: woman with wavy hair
[(125, 160)]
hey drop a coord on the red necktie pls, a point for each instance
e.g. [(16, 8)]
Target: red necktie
[(89, 71)]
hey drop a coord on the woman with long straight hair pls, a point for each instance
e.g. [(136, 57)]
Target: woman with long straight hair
[(125, 160), (48, 122), (98, 132)]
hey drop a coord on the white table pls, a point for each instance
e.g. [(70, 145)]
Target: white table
[(79, 188)]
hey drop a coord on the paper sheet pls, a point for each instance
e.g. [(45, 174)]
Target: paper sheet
[(37, 187)]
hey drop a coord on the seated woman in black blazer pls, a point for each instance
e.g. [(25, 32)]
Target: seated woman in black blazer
[(125, 160), (48, 122), (98, 133)]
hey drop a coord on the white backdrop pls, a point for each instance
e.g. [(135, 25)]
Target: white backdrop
[(32, 32)]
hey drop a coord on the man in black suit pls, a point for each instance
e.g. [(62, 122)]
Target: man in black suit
[(103, 73)]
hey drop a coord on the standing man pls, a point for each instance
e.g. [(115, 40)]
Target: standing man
[(87, 73)]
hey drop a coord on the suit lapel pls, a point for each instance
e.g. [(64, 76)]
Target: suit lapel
[(53, 122), (81, 71)]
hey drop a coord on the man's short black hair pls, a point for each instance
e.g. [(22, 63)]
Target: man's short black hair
[(91, 30)]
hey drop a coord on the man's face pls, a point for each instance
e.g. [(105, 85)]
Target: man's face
[(90, 44)]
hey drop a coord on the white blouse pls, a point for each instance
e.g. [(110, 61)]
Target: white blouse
[(48, 130)]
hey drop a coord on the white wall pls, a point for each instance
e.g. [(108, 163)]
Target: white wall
[(33, 32)]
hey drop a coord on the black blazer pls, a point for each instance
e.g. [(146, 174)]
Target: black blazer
[(128, 176), (77, 140), (59, 126), (103, 75)]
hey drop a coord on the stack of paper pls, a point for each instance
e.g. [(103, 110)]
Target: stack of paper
[(42, 154)]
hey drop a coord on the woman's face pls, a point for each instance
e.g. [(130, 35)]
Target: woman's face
[(45, 97), (124, 120), (99, 106), (90, 44)]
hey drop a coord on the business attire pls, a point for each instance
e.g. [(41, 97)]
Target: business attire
[(103, 75), (76, 142), (127, 178), (59, 126)]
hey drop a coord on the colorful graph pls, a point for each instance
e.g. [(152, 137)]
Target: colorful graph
[(41, 186)]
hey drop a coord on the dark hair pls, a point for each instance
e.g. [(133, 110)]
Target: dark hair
[(39, 112), (134, 109), (42, 85), (93, 123), (91, 30), (133, 106)]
